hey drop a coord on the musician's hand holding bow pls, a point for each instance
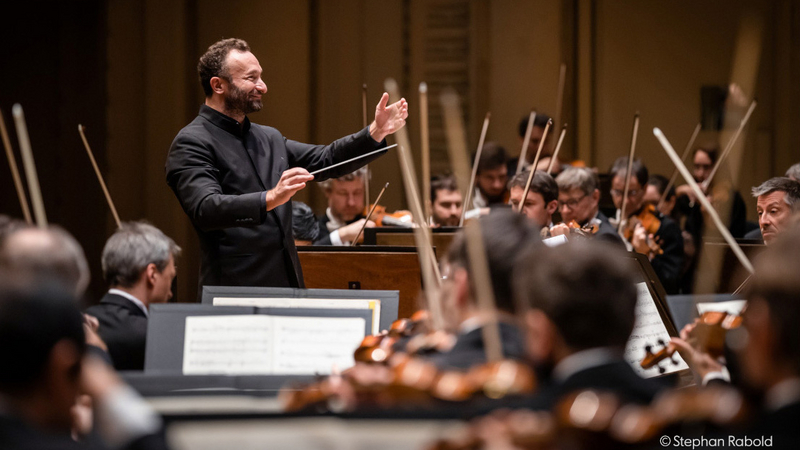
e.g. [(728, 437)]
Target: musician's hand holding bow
[(349, 232), (388, 119), (639, 240), (700, 362)]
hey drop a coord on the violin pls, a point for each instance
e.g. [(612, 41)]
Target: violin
[(382, 218), (573, 229), (708, 334), (648, 218)]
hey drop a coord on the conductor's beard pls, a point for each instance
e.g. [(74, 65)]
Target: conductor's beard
[(240, 101)]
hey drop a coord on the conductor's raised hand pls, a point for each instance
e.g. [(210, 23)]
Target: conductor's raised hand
[(388, 118), (291, 181)]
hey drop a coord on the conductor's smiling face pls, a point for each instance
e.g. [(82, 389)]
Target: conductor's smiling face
[(244, 84)]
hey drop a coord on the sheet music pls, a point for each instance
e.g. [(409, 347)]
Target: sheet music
[(262, 344), (733, 307), (647, 330), (229, 345), (294, 302)]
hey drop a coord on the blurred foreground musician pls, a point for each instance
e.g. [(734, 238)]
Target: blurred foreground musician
[(46, 367), (505, 233), (580, 314), (665, 232), (139, 265), (235, 179)]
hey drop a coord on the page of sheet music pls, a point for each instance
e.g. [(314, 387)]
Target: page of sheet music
[(647, 330), (229, 345), (310, 345), (262, 344), (294, 302)]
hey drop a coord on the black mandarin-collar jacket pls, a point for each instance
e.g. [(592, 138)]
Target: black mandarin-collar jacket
[(220, 171)]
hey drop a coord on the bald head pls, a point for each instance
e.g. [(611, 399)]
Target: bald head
[(51, 254)]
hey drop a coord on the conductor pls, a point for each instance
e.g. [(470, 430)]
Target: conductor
[(235, 179)]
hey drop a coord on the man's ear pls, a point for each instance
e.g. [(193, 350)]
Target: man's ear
[(217, 85), (552, 207), (540, 336), (596, 195), (150, 274)]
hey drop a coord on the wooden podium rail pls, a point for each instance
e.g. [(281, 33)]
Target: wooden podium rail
[(442, 238), (365, 267)]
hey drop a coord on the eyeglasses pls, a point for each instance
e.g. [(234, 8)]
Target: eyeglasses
[(631, 193), (572, 203)]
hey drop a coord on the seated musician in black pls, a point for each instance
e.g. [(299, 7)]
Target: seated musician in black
[(581, 305), (504, 233), (579, 199), (139, 265), (344, 216), (667, 265), (777, 201)]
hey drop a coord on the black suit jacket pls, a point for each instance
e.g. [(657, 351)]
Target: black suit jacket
[(607, 232), (468, 350), (220, 172), (754, 234), (123, 327)]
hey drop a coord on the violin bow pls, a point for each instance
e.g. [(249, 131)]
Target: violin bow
[(526, 141), (425, 144), (81, 130), (562, 79), (674, 175), (12, 162), (730, 144), (468, 194), (558, 148), (457, 147), (533, 167), (371, 210), (431, 276), (29, 165), (737, 250), (364, 122), (622, 217)]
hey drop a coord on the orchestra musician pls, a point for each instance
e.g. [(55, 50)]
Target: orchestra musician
[(578, 200), (542, 199), (235, 179), (793, 172), (778, 199), (537, 133), (580, 313), (491, 178), (649, 226), (344, 217), (505, 233), (446, 201)]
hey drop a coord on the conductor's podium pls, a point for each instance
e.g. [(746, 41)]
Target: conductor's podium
[(365, 267)]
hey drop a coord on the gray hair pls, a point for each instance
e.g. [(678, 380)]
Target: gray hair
[(794, 172), (790, 187), (131, 249), (577, 177), (358, 173), (52, 253)]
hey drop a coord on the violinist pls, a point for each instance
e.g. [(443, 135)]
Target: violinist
[(446, 201), (491, 178), (344, 216), (505, 233), (542, 200), (770, 359), (777, 200), (645, 226), (537, 133), (793, 172), (578, 200), (580, 312)]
